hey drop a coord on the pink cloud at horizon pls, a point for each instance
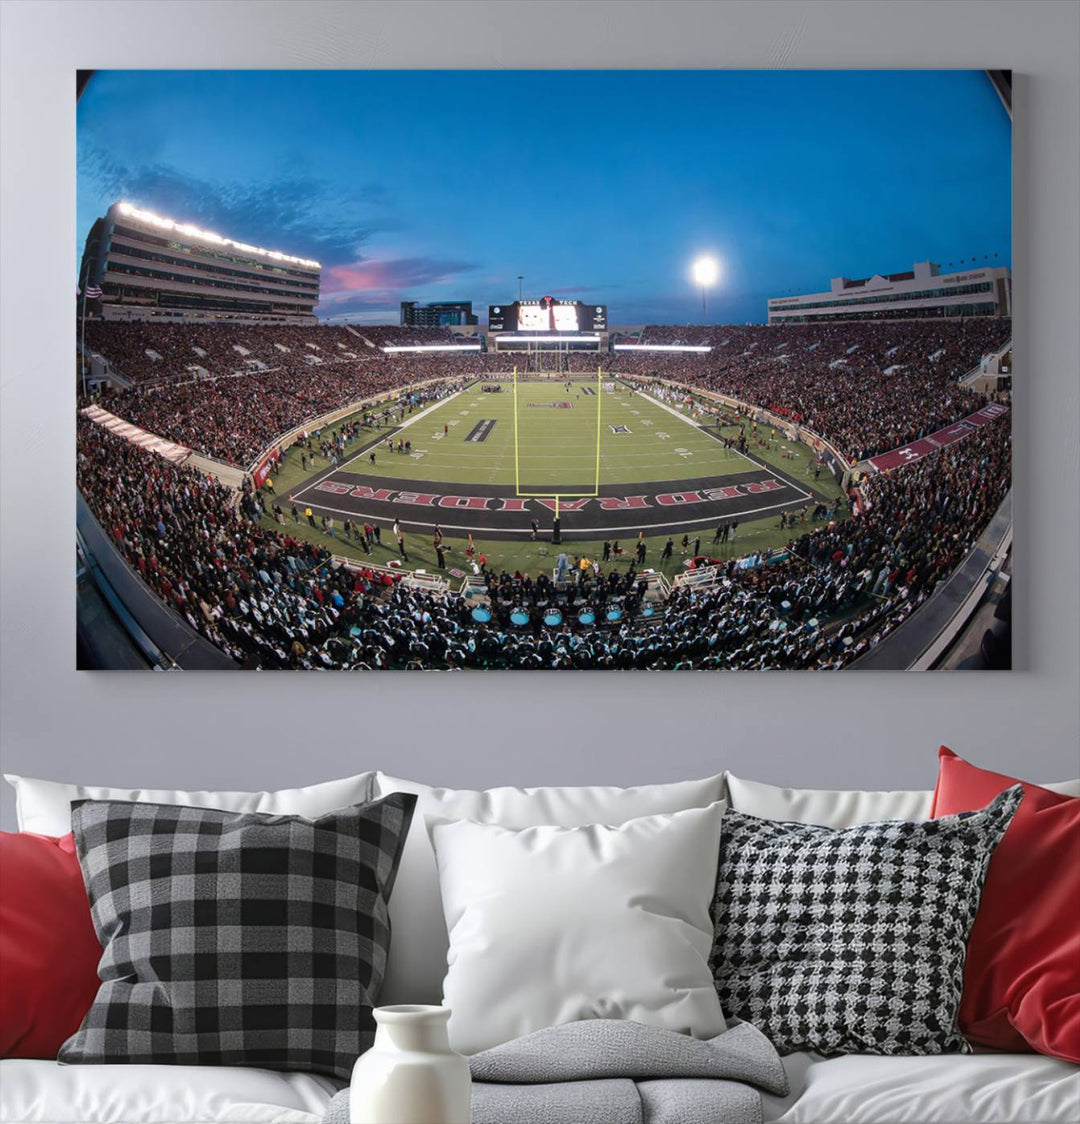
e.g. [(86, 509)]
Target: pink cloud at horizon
[(385, 276)]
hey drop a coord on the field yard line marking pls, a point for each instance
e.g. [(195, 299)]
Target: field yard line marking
[(517, 471), (599, 400), (377, 443), (763, 465), (436, 405), (609, 458), (697, 428), (401, 463), (406, 424)]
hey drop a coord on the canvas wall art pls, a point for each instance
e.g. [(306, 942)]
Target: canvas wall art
[(564, 370)]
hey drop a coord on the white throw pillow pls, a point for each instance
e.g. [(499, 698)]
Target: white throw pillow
[(1064, 788), (836, 808), (418, 943), (550, 925), (839, 808), (44, 807)]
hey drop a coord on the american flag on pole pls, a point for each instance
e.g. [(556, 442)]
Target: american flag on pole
[(93, 292)]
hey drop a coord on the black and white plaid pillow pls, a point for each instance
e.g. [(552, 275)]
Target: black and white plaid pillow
[(851, 941), (237, 938)]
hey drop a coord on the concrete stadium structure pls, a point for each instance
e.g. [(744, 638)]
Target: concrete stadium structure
[(920, 292), (152, 268)]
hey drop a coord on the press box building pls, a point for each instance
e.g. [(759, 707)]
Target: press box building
[(152, 268), (921, 292)]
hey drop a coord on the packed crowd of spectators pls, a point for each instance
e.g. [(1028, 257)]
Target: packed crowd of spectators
[(394, 335), (687, 334), (271, 601), (234, 419), (229, 391), (866, 387), (152, 352)]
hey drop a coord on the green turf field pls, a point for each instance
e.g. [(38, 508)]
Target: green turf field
[(462, 462), (556, 447)]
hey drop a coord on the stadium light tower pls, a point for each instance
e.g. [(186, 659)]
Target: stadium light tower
[(706, 272)]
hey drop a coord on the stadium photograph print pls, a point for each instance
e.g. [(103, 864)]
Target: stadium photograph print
[(653, 390)]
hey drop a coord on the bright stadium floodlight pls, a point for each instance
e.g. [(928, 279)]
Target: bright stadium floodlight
[(706, 272), (190, 231)]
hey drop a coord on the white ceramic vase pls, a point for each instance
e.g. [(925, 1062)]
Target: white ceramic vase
[(410, 1075)]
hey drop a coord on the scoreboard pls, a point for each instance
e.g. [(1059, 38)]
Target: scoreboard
[(547, 315)]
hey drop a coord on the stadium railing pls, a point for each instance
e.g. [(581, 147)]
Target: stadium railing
[(430, 583), (989, 364), (473, 588), (417, 579), (164, 637), (657, 586), (704, 577), (919, 642), (228, 474)]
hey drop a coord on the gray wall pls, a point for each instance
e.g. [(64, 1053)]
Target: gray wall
[(873, 730)]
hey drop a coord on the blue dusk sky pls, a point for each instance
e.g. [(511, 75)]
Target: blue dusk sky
[(600, 185)]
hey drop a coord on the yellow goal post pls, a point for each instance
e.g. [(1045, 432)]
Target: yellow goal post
[(557, 496)]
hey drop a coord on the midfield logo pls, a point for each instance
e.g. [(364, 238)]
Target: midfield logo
[(619, 428), (481, 430)]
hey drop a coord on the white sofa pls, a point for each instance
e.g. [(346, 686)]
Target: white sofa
[(988, 1089), (970, 1089)]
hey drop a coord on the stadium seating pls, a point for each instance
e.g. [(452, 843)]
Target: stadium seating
[(233, 419), (152, 352), (269, 600), (391, 335), (867, 387)]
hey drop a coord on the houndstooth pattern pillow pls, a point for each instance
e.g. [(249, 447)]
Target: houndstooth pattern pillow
[(236, 938), (851, 941)]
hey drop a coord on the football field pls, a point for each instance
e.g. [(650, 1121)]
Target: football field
[(552, 449), (599, 455)]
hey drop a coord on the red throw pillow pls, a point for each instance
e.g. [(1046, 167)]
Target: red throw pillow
[(48, 950), (1022, 975)]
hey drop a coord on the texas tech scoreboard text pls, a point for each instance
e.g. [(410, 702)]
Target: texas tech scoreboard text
[(547, 315)]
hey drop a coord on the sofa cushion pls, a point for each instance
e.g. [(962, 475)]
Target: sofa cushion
[(949, 1089), (838, 807), (44, 807), (417, 964), (971, 1089), (48, 950), (1022, 975), (851, 941), (551, 925), (42, 1092), (236, 939)]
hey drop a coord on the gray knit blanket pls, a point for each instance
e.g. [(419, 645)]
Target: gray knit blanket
[(607, 1071)]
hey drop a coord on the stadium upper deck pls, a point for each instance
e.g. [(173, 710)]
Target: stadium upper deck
[(918, 293), (151, 268), (867, 388)]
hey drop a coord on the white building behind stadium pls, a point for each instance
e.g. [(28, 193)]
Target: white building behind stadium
[(153, 268), (921, 292)]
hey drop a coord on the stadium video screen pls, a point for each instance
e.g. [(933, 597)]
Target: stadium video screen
[(547, 315)]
